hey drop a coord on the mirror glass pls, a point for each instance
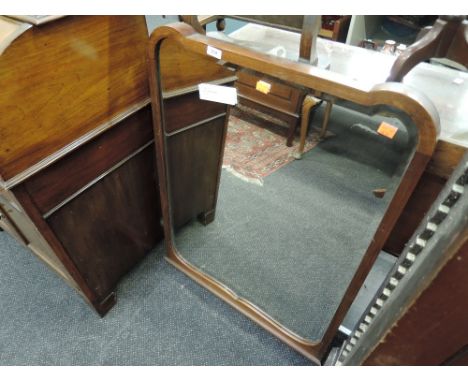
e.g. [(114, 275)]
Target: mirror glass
[(287, 235)]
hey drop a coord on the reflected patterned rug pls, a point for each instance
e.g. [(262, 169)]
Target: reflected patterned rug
[(256, 146)]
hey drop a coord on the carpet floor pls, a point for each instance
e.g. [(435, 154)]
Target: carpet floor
[(161, 318)]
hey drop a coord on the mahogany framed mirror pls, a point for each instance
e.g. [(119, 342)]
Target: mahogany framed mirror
[(291, 249)]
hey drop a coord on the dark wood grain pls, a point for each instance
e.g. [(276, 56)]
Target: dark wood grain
[(33, 213), (65, 177), (194, 161), (111, 226)]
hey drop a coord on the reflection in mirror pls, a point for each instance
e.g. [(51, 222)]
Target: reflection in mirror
[(285, 235)]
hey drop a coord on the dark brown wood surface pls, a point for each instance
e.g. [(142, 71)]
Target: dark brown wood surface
[(107, 229), (459, 358), (67, 176), (194, 160), (284, 98), (194, 110)]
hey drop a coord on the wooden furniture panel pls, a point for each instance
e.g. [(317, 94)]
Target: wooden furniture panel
[(281, 97), (77, 176), (194, 186), (62, 79), (194, 111), (6, 224), (187, 71), (108, 228), (50, 187)]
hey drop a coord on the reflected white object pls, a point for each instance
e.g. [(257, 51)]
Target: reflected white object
[(389, 47), (400, 48), (217, 93), (278, 51)]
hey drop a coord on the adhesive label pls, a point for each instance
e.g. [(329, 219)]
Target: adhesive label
[(214, 52), (263, 87), (217, 93), (387, 130)]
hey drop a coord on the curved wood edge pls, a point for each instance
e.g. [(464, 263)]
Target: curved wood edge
[(408, 100), (419, 51), (303, 346), (437, 42), (411, 102), (308, 103), (72, 146)]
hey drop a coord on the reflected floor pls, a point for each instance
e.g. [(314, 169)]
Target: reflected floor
[(292, 246)]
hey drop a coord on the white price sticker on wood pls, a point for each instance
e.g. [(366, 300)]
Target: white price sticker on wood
[(217, 93), (214, 52)]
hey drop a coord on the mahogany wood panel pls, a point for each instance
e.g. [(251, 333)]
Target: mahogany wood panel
[(434, 327), (460, 358), (62, 179), (187, 109), (46, 232), (62, 79), (185, 69), (194, 162), (107, 229), (445, 159)]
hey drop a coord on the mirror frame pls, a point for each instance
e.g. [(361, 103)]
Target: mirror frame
[(393, 95)]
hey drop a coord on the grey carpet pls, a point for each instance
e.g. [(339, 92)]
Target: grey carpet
[(161, 318), (292, 246)]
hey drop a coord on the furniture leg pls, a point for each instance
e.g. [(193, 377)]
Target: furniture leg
[(326, 117), (102, 307), (207, 217), (307, 105), (291, 133)]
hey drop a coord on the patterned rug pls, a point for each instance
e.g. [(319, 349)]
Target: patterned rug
[(256, 146)]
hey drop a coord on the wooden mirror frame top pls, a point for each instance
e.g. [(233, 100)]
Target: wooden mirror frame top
[(393, 95)]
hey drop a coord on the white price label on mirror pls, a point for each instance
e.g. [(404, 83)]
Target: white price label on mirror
[(217, 93), (214, 52)]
